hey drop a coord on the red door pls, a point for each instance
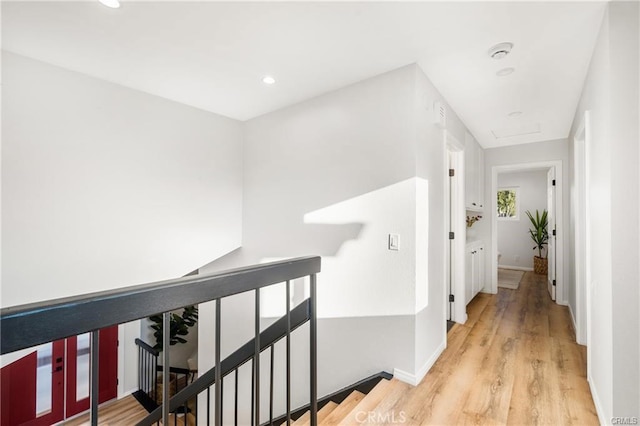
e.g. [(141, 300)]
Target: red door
[(32, 388), (40, 372), (78, 370)]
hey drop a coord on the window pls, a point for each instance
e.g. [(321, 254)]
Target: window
[(508, 204)]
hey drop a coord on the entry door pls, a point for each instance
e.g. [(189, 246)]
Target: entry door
[(34, 386), (551, 228), (79, 368)]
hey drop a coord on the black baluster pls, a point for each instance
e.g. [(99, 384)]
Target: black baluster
[(271, 389), (218, 373), (235, 400), (288, 353)]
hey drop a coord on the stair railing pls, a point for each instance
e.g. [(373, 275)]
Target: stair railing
[(147, 375), (230, 365), (29, 325)]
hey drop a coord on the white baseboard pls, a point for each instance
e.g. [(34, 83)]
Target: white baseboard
[(596, 402), (415, 379), (516, 268)]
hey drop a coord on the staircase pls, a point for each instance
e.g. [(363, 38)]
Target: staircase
[(360, 408), (27, 326)]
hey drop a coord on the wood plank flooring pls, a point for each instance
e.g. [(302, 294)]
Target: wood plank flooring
[(514, 362), (126, 411)]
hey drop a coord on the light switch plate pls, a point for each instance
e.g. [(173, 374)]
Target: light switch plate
[(394, 242)]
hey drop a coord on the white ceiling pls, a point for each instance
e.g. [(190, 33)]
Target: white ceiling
[(213, 55)]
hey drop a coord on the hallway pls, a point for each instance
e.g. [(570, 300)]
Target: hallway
[(515, 361)]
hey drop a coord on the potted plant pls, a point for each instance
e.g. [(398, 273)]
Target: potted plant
[(540, 236), (470, 221), (178, 326)]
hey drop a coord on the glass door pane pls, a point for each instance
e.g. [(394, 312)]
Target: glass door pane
[(82, 366), (44, 375)]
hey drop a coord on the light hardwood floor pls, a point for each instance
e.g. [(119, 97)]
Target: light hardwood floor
[(126, 411), (514, 362)]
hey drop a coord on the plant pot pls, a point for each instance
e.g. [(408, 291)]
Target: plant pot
[(540, 265), (172, 387)]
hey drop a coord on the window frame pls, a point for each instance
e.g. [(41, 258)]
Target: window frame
[(516, 190)]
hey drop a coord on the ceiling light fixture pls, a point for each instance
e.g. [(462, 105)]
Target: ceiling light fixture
[(515, 114), (267, 79), (500, 50), (113, 4), (505, 71)]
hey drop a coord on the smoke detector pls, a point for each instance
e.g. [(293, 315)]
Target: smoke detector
[(500, 50)]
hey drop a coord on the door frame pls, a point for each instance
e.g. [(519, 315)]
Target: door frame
[(582, 237), (560, 207), (455, 222)]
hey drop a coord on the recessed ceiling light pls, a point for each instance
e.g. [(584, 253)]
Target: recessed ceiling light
[(515, 114), (500, 50), (113, 4), (267, 79), (505, 71)]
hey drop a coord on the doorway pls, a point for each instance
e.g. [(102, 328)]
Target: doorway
[(52, 383), (554, 206), (523, 196)]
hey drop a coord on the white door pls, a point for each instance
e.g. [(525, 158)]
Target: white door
[(450, 251), (551, 228)]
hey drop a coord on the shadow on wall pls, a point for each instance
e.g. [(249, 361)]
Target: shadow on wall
[(366, 292), (360, 275)]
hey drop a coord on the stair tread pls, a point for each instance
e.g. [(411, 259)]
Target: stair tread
[(393, 392), (344, 408), (323, 413), (369, 402), (305, 418)]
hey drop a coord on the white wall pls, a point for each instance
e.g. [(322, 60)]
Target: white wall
[(333, 176), (313, 174), (106, 187), (432, 166), (514, 240), (610, 94), (522, 154)]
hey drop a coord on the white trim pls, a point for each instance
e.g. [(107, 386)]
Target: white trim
[(596, 401), (415, 379), (582, 238), (121, 373), (458, 225), (516, 268), (560, 208)]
